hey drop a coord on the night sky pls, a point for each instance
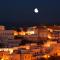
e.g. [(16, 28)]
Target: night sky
[(21, 12)]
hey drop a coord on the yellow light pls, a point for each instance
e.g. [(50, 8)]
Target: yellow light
[(27, 47), (49, 37), (50, 30), (46, 56), (5, 57), (11, 51), (58, 54), (2, 59), (47, 44), (22, 33), (5, 49), (0, 49), (30, 32), (58, 51), (15, 33)]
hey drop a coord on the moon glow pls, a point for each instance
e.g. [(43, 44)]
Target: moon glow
[(36, 10)]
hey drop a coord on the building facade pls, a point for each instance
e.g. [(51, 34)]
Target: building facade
[(7, 38)]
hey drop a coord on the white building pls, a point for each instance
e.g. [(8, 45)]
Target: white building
[(7, 38), (7, 34), (2, 27)]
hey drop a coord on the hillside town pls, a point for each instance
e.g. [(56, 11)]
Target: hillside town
[(30, 43)]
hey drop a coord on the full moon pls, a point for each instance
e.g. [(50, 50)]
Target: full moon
[(36, 10)]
